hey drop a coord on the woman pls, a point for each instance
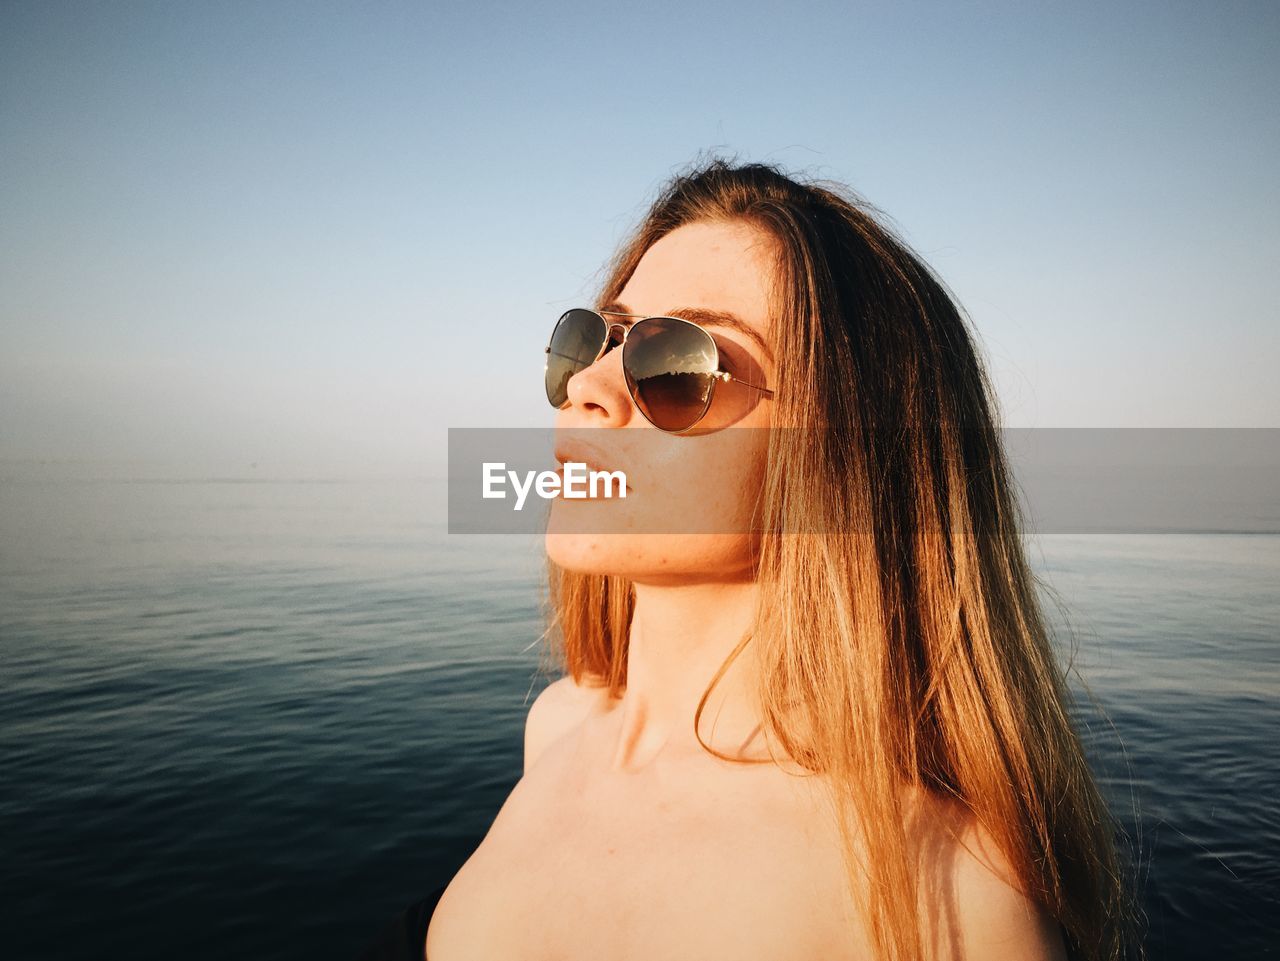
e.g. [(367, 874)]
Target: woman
[(828, 723)]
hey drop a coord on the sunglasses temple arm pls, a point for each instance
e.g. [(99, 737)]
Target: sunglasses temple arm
[(725, 375)]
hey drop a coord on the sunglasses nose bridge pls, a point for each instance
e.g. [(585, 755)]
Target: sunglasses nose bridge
[(609, 338)]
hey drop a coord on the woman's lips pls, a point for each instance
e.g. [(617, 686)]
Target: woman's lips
[(577, 454), (581, 454)]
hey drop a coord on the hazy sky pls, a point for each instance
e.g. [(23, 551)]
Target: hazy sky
[(323, 233)]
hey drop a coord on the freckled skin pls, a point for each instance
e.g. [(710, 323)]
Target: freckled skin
[(708, 479)]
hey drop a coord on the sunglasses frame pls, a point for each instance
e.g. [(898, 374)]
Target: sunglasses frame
[(633, 388)]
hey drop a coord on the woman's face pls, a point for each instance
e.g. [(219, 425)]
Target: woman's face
[(690, 497)]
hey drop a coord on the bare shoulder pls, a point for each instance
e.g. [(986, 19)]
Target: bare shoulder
[(984, 912), (557, 710)]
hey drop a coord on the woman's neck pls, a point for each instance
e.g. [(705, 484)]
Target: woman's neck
[(680, 637)]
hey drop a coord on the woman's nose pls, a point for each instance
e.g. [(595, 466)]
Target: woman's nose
[(598, 394)]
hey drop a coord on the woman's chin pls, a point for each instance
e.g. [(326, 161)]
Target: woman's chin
[(654, 558), (595, 553)]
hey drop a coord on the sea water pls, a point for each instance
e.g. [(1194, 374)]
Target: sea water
[(254, 718)]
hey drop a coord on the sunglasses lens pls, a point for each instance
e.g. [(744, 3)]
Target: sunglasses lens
[(670, 368), (575, 342)]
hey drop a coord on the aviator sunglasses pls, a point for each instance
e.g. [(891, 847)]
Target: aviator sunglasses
[(671, 365)]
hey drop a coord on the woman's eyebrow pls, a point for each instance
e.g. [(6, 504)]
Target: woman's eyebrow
[(706, 316)]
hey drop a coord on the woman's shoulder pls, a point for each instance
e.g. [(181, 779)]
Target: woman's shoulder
[(985, 911), (562, 706)]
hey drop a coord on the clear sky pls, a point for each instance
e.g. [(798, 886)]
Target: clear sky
[(321, 233)]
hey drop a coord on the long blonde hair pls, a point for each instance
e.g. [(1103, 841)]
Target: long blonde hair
[(904, 645)]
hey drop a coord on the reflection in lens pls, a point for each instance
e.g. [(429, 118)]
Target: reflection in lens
[(670, 366), (575, 342)]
